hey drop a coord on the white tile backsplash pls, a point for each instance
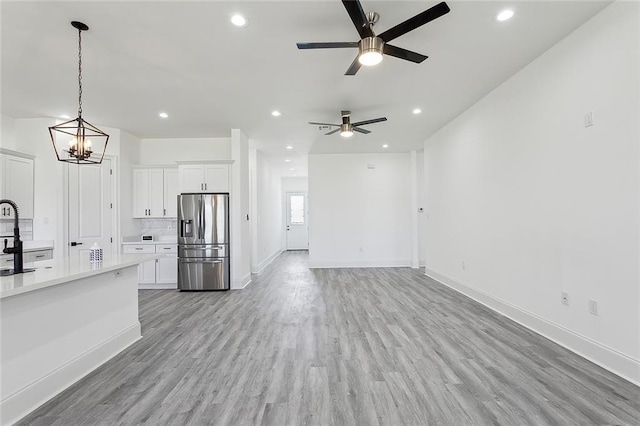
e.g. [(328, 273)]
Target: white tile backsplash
[(158, 226), (26, 228)]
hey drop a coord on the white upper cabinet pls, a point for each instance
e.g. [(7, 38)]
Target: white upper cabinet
[(17, 184), (204, 178), (154, 192)]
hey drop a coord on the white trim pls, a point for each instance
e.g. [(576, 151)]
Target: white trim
[(17, 154), (242, 283), (257, 269), (158, 286), (361, 264), (608, 358), (21, 403), (181, 162)]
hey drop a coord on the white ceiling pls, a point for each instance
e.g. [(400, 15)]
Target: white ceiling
[(185, 58)]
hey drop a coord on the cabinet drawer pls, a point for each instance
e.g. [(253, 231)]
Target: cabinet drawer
[(35, 256), (166, 248), (143, 248)]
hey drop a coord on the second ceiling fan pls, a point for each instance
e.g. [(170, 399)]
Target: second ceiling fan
[(347, 128), (372, 47)]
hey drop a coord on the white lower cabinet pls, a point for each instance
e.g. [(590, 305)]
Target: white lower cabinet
[(160, 273)]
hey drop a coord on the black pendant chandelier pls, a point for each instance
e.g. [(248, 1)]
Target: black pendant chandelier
[(78, 141)]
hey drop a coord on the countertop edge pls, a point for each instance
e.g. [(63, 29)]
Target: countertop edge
[(78, 275)]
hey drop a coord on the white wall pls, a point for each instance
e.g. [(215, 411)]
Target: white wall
[(32, 137), (239, 211), (535, 204), (295, 184), (129, 155), (422, 216), (359, 216), (170, 150), (266, 212), (8, 133)]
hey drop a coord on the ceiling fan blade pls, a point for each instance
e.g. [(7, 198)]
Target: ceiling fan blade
[(355, 66), (327, 45), (415, 22), (323, 124), (359, 19), (359, 130), (333, 131), (374, 120), (405, 54)]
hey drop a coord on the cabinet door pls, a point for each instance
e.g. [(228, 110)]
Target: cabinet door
[(147, 272), (171, 192), (140, 192), (167, 270), (216, 178), (156, 193), (191, 178), (18, 185)]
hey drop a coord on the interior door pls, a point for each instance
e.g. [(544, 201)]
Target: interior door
[(297, 221), (90, 204)]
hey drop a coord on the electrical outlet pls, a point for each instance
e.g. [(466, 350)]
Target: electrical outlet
[(564, 298), (593, 307), (116, 274)]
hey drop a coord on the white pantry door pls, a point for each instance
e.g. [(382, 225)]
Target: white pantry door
[(297, 221), (90, 204)]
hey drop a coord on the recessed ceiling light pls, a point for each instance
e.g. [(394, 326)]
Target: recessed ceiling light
[(292, 169), (288, 147), (417, 111), (64, 116), (504, 15), (287, 160), (276, 113), (239, 20), (385, 146), (163, 115)]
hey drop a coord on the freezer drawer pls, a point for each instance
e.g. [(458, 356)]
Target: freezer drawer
[(220, 250), (203, 274)]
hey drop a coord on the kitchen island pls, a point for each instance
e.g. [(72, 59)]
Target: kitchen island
[(60, 322)]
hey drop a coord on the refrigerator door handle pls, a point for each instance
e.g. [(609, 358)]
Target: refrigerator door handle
[(199, 219), (200, 261)]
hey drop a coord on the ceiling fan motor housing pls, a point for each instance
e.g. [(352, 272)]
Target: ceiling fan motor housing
[(371, 46)]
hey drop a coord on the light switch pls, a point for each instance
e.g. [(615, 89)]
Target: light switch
[(588, 119)]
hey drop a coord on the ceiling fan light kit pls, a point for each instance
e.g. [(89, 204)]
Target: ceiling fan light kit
[(372, 47), (370, 51), (347, 128), (78, 141)]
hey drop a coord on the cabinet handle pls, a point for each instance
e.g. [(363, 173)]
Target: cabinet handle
[(205, 186), (167, 248), (165, 212), (39, 256), (201, 187), (9, 260), (138, 248)]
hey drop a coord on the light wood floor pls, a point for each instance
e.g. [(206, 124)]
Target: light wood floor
[(338, 346)]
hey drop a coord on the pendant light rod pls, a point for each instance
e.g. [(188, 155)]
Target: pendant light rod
[(80, 27)]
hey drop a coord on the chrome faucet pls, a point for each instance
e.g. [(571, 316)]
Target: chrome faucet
[(16, 250)]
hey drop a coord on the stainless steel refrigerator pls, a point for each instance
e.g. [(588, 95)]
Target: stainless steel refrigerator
[(203, 242)]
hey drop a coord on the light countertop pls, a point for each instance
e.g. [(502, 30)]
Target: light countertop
[(60, 271), (157, 239)]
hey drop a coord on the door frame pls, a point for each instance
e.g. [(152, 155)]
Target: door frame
[(115, 197), (286, 216)]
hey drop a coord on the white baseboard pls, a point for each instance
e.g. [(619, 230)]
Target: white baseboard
[(18, 405), (257, 269), (360, 264), (242, 282), (158, 286), (608, 358)]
